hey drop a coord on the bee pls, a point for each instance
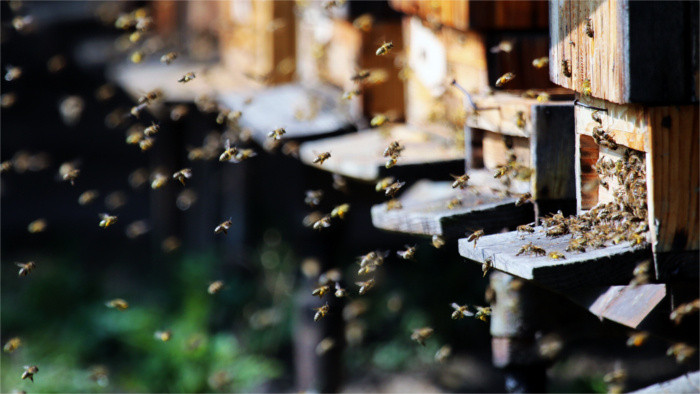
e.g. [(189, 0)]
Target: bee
[(504, 79), (150, 97), (364, 22), (460, 312), (475, 236), (163, 335), (158, 180), (68, 172), (391, 162), (525, 228), (394, 149), (543, 97), (339, 291), (321, 312), (486, 266), (681, 352), (393, 204), (12, 73), (321, 291), (23, 23), (37, 226), (385, 48), (168, 57), (12, 344), (525, 197), (408, 254), (540, 62), (556, 255), (365, 286), (187, 77), (224, 226), (25, 268), (313, 197), (183, 174), (438, 241), (276, 134), (421, 335), (5, 166), (443, 353), (349, 95), (340, 211), (637, 339), (378, 120), (586, 88), (322, 223), (683, 310), (107, 220), (595, 115), (137, 56), (500, 172), (520, 119), (360, 76), (144, 23), (566, 68), (373, 258), (29, 371), (87, 197), (324, 346), (291, 148), (215, 287), (118, 304), (576, 245), (504, 46), (229, 152), (557, 230), (531, 249), (384, 183), (136, 229), (482, 313), (322, 157), (589, 28), (178, 112), (7, 100), (151, 130), (392, 189), (340, 183), (115, 200), (170, 244), (146, 143), (460, 181), (329, 4), (454, 203)]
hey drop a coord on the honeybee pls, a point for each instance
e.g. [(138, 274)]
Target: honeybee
[(360, 75), (364, 22), (276, 134), (391, 162), (56, 63), (12, 344), (7, 100), (349, 95), (525, 197), (229, 152), (438, 241), (637, 339), (525, 228), (543, 97), (313, 197), (556, 255), (324, 346), (393, 204), (487, 265), (443, 353), (530, 248), (151, 130), (500, 172), (107, 220), (322, 157), (224, 226), (87, 197), (25, 268), (328, 4), (576, 245), (29, 371), (150, 97), (408, 254), (421, 335), (504, 79), (385, 48), (684, 310), (321, 291), (178, 112), (118, 304), (681, 352), (365, 286), (168, 57), (158, 180), (504, 46), (373, 258), (321, 312), (37, 226), (187, 77), (392, 189), (384, 183), (170, 244), (340, 211), (339, 291), (12, 73), (475, 236), (454, 203), (183, 174), (482, 313), (589, 28), (136, 110), (460, 181), (68, 172), (136, 229), (146, 143), (115, 200), (215, 286), (323, 222), (394, 149), (540, 62), (557, 230), (291, 148), (460, 312), (137, 56), (566, 68), (520, 119), (23, 23), (163, 335), (586, 88)]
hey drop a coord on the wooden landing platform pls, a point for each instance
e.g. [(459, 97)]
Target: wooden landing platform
[(429, 154), (688, 383), (608, 266), (425, 209)]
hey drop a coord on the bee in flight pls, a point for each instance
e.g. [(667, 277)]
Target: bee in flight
[(159, 180), (339, 291), (365, 286), (505, 46), (163, 335), (525, 197), (482, 313), (313, 197), (229, 151), (37, 226), (385, 48), (215, 287), (475, 236), (107, 220), (438, 241), (378, 120), (408, 254), (321, 291), (187, 77), (150, 97), (460, 311), (637, 339), (504, 79), (360, 75), (12, 344), (394, 149), (182, 175), (25, 268), (443, 353), (322, 157), (151, 130), (277, 134), (224, 226), (168, 57), (540, 62), (29, 371), (420, 335), (340, 211), (118, 304), (460, 181), (383, 183), (321, 312), (68, 172), (322, 223), (393, 188)]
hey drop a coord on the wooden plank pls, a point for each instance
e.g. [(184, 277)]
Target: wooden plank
[(687, 383), (425, 210), (626, 58), (495, 151), (587, 185), (612, 265), (629, 305), (359, 155)]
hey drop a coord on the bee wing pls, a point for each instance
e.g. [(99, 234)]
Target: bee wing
[(21, 265), (454, 305)]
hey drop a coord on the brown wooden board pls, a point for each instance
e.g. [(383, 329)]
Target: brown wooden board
[(612, 265), (425, 210), (427, 154), (639, 52)]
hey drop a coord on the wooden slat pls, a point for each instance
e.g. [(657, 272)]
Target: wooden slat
[(359, 155), (612, 265), (688, 383), (425, 210), (628, 59), (629, 305)]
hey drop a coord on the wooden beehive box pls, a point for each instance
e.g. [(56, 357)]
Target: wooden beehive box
[(626, 51), (257, 38), (668, 137)]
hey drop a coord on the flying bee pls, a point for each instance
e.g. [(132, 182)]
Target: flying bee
[(543, 97), (443, 353), (151, 130), (25, 268), (589, 28), (321, 312), (684, 310), (460, 312), (681, 352), (393, 204), (12, 73), (383, 183), (321, 291), (340, 211), (438, 241), (158, 180), (460, 181), (525, 197), (454, 203), (29, 371), (215, 287), (525, 228), (482, 313), (504, 46), (23, 23), (360, 75), (168, 57), (322, 223), (367, 269), (322, 157), (349, 95), (276, 134), (187, 77), (224, 226), (146, 144), (408, 254), (313, 197), (364, 22), (475, 236), (487, 265), (137, 56), (394, 149), (324, 346), (392, 189), (163, 335), (107, 220), (566, 68), (12, 344), (637, 339), (421, 335), (5, 166), (530, 248), (183, 174), (391, 162), (504, 79), (374, 257), (118, 304), (339, 291), (385, 48), (556, 255), (37, 226), (229, 151), (136, 110), (500, 172), (150, 97), (378, 120), (540, 62), (68, 172), (365, 286)]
